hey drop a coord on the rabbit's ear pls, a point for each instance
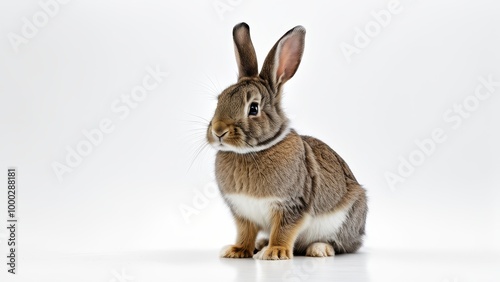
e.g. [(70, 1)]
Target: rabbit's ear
[(284, 58), (244, 51)]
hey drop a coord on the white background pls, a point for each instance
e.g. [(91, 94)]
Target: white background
[(128, 193)]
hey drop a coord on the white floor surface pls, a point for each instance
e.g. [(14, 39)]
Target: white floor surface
[(182, 265)]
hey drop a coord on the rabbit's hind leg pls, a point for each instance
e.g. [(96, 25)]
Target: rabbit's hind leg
[(320, 249), (261, 243)]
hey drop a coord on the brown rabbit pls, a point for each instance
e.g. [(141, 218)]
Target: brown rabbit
[(293, 188)]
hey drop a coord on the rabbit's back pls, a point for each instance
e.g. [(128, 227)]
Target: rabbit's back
[(335, 185)]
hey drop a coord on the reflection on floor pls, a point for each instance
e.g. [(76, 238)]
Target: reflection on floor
[(191, 265)]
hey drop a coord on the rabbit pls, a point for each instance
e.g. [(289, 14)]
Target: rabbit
[(291, 187)]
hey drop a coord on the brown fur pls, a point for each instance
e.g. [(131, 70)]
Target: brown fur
[(245, 243), (257, 159)]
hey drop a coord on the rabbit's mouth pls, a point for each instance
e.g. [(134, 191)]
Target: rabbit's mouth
[(229, 144), (242, 147), (223, 145)]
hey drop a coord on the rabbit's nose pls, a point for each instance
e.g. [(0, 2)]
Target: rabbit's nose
[(220, 136), (219, 129)]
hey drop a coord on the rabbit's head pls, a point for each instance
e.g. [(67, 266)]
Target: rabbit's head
[(249, 117)]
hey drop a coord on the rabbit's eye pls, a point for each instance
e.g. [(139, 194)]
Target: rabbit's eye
[(254, 109)]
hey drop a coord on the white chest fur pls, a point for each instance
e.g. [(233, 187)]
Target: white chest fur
[(319, 228), (257, 210)]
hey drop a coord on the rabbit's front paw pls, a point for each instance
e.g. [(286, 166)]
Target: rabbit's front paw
[(233, 251), (274, 253)]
